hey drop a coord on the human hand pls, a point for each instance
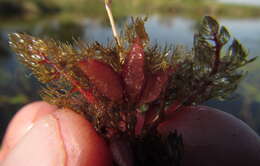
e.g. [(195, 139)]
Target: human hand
[(43, 135)]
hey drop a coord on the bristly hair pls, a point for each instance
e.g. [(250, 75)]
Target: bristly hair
[(126, 90), (207, 71)]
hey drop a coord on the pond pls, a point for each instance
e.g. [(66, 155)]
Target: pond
[(247, 2), (18, 87)]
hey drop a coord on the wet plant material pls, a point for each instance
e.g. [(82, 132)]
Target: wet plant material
[(126, 90)]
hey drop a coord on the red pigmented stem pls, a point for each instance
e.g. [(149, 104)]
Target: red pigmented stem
[(86, 93), (218, 47), (140, 119), (215, 67)]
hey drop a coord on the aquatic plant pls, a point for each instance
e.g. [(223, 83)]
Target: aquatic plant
[(128, 87)]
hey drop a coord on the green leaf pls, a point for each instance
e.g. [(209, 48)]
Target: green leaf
[(144, 107), (237, 49), (209, 26), (224, 35)]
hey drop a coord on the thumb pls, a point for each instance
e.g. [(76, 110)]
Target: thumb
[(60, 138)]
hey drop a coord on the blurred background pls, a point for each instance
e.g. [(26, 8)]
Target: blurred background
[(170, 21)]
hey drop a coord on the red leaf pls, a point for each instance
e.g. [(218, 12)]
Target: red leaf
[(133, 71), (103, 77), (154, 86)]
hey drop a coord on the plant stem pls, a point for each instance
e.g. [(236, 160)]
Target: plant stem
[(218, 47), (86, 93), (112, 22)]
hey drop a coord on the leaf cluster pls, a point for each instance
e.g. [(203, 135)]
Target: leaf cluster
[(127, 90), (55, 65), (169, 74), (211, 68)]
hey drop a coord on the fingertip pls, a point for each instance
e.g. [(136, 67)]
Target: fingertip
[(22, 122), (83, 145), (61, 138), (41, 146)]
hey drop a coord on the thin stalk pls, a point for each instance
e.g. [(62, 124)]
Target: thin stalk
[(112, 22)]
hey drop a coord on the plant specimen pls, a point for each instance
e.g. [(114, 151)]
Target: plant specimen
[(128, 87)]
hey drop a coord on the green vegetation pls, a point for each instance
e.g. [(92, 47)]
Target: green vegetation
[(127, 7), (18, 99)]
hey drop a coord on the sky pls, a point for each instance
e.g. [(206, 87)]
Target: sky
[(252, 2)]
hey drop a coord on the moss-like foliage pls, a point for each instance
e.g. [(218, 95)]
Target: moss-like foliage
[(127, 90)]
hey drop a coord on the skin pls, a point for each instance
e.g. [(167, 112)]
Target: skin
[(213, 138), (43, 135)]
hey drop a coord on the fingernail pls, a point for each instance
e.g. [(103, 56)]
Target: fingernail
[(42, 146)]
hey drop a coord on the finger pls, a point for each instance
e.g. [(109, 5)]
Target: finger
[(23, 122), (61, 138)]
